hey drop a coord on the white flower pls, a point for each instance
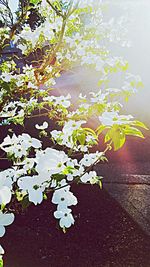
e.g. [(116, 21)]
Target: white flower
[(107, 118), (56, 134), (98, 97), (9, 174), (28, 163), (63, 100), (18, 146), (7, 114), (43, 126), (111, 118), (33, 186), (64, 198), (31, 85), (89, 159), (75, 173), (29, 141), (5, 219), (5, 188), (65, 216), (51, 162), (6, 76), (59, 100), (87, 177), (71, 125), (19, 83)]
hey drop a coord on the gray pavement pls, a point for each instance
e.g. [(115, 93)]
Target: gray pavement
[(126, 184)]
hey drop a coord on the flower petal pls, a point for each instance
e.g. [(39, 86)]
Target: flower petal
[(2, 230), (35, 196), (6, 219), (5, 195)]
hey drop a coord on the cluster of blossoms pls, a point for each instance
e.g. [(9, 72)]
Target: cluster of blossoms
[(36, 175), (75, 137), (70, 33)]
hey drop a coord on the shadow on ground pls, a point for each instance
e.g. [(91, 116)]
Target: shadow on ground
[(104, 235)]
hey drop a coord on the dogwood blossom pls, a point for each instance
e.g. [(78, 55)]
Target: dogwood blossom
[(18, 146), (111, 118), (65, 217), (64, 198), (59, 100), (89, 159), (33, 186), (51, 161), (87, 177)]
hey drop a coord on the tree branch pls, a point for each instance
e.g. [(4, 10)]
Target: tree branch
[(55, 9)]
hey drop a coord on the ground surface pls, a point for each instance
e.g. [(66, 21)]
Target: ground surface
[(111, 229)]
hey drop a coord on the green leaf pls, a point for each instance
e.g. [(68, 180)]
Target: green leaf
[(1, 263), (133, 131), (96, 109), (108, 136), (118, 140), (35, 1), (81, 138), (89, 130), (101, 128), (100, 184), (44, 196), (2, 206), (117, 136), (140, 124)]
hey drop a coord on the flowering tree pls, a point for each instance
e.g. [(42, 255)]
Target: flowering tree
[(68, 33)]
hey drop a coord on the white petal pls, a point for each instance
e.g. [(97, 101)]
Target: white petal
[(6, 219), (36, 143), (5, 195), (58, 214), (1, 250), (35, 196), (66, 221), (2, 230), (45, 125), (85, 178)]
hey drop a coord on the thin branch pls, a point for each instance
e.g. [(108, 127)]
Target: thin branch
[(55, 9), (20, 20), (51, 57)]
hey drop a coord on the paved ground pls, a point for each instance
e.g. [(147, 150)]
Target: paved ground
[(129, 184)]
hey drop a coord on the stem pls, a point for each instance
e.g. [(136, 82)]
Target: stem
[(52, 56), (55, 9), (38, 115), (20, 20)]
